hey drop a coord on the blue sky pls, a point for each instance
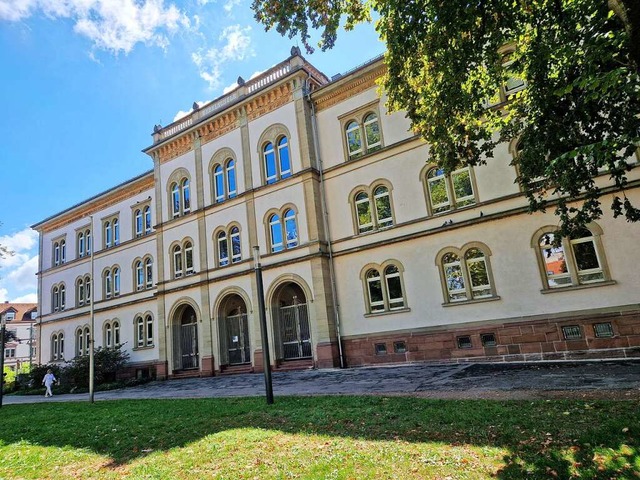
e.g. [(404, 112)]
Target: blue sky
[(83, 82)]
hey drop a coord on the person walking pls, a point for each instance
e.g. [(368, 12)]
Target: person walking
[(48, 380)]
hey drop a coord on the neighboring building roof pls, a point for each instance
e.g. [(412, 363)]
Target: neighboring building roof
[(22, 311)]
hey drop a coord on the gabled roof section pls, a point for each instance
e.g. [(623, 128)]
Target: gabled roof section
[(22, 311), (98, 202)]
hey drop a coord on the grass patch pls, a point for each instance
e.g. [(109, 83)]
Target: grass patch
[(321, 437)]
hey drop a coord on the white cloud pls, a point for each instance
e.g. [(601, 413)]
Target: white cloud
[(237, 46), (28, 298), (24, 277), (4, 295), (230, 4), (21, 241), (113, 25), (182, 113)]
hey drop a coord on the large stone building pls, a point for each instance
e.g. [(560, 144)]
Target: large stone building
[(370, 253)]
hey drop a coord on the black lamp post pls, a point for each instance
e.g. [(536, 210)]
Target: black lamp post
[(266, 360)]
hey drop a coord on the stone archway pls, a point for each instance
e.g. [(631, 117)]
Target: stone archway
[(185, 339), (292, 332), (235, 347)]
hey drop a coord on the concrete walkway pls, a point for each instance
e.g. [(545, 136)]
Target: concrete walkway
[(619, 379)]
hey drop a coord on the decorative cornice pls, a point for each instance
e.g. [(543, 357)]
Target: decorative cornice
[(348, 86), (100, 204), (269, 101)]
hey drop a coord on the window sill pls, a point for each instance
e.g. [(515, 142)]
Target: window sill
[(386, 312), (470, 302), (148, 347), (578, 287)]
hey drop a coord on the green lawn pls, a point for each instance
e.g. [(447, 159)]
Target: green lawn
[(321, 437)]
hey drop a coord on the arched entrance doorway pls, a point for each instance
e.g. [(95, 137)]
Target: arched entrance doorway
[(235, 348), (185, 339), (291, 323)]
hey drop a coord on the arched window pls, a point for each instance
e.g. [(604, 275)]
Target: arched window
[(57, 346), (79, 342), (283, 157), (116, 332), (116, 280), (107, 234), (81, 244), (276, 160), (223, 249), (108, 284), (218, 183), (108, 335), (116, 231), (148, 268), (147, 220), (275, 227), (236, 248), (366, 201), (188, 258), (577, 260), (363, 213), (80, 292), (177, 261), (138, 223), (291, 228), (144, 331), (87, 288), (175, 200), (87, 236), (446, 192), (362, 134), (383, 207), (231, 178), (56, 253), (270, 169), (63, 251), (139, 274), (55, 299), (466, 273), (186, 196), (384, 288)]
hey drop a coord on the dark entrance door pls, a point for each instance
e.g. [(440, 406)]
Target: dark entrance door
[(185, 340), (237, 337), (295, 335)]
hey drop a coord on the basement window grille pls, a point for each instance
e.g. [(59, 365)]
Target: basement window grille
[(603, 330), (464, 342), (572, 332)]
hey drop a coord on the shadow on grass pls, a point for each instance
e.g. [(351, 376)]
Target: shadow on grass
[(559, 439)]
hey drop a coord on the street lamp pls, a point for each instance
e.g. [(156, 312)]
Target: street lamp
[(266, 361), (3, 321)]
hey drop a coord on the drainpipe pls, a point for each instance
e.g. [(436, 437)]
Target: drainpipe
[(325, 224)]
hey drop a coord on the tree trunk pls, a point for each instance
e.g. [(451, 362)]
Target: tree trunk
[(629, 13)]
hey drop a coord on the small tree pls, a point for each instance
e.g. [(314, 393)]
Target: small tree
[(107, 363)]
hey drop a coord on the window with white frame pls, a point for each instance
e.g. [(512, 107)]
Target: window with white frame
[(449, 191), (362, 133), (228, 246), (63, 251), (573, 261), (180, 197), (10, 316), (283, 230), (276, 159), (58, 297), (144, 330), (57, 346), (83, 291), (146, 213), (372, 208), (138, 223), (111, 282), (80, 242), (110, 232), (466, 273), (383, 285), (111, 332), (83, 342), (224, 180), (512, 81), (148, 269), (143, 273), (59, 252), (182, 259)]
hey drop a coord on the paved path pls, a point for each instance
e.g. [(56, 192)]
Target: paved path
[(620, 379)]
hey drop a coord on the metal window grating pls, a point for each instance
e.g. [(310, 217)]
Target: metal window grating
[(488, 340), (399, 347), (572, 332), (464, 342), (381, 349), (603, 330)]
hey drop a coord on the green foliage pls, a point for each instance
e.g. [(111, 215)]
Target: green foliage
[(10, 336), (577, 117), (75, 375)]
